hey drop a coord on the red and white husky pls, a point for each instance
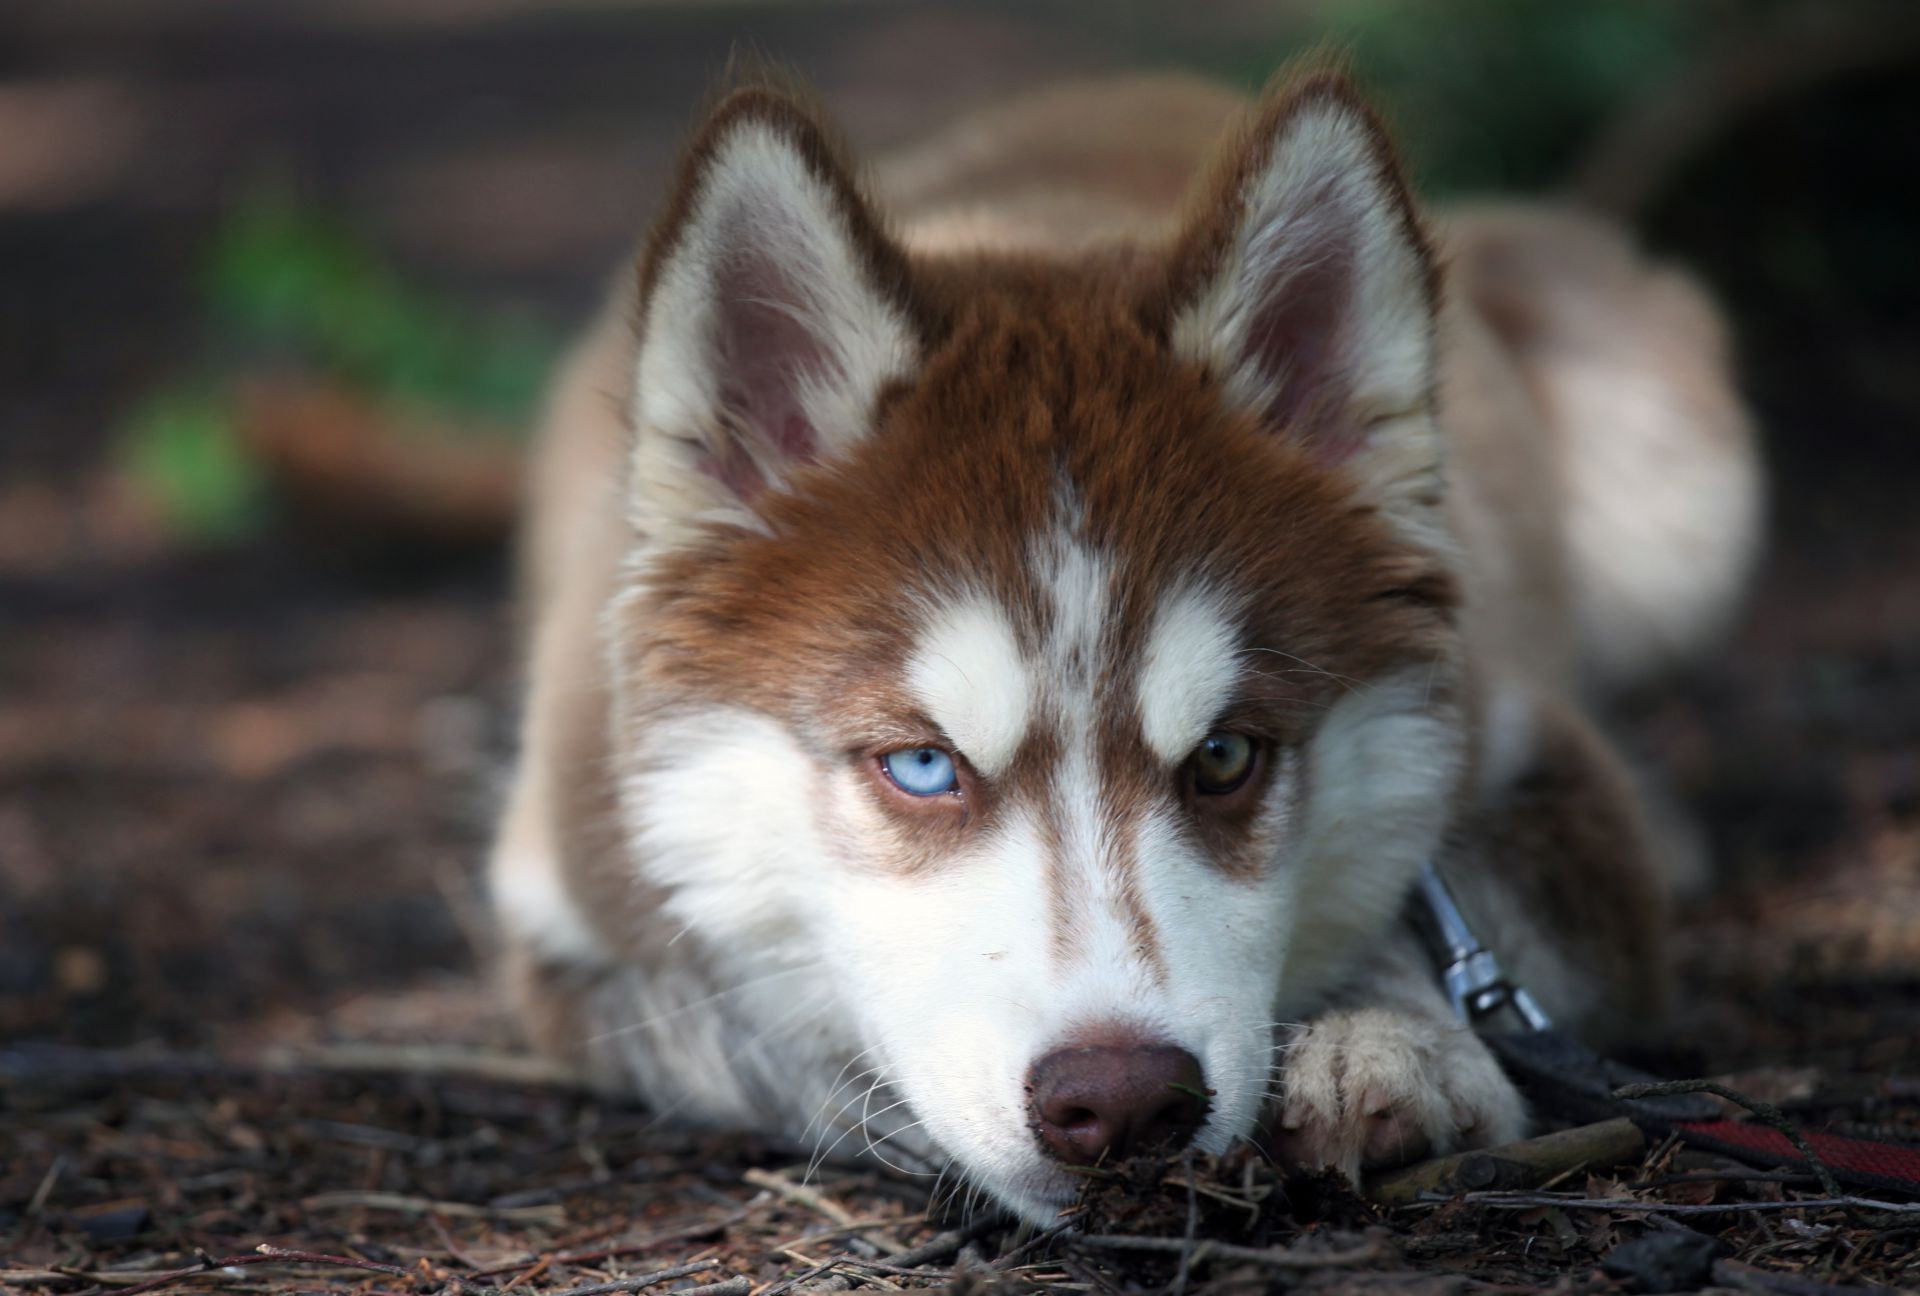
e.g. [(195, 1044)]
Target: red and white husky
[(1004, 638)]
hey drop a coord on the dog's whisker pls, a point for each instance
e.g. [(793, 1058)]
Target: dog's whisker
[(719, 996)]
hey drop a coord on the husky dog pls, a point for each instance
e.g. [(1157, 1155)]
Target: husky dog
[(1005, 636)]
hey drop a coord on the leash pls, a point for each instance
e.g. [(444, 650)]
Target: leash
[(1561, 1075)]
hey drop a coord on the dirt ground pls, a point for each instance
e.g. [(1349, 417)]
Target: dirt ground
[(244, 791)]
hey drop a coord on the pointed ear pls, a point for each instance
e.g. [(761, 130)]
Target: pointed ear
[(1305, 282), (772, 313)]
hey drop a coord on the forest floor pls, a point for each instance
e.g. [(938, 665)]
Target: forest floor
[(244, 790)]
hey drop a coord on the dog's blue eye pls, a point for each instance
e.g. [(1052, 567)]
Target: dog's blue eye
[(921, 771)]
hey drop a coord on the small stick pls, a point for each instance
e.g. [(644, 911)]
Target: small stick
[(1525, 1164), (881, 1266), (45, 1190), (681, 1234), (402, 1202), (1205, 1249), (1032, 1244), (858, 1225), (528, 1275), (801, 1195), (263, 1255), (944, 1244), (781, 1286), (638, 1281)]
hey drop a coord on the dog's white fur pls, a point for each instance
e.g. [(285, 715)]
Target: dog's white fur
[(772, 970)]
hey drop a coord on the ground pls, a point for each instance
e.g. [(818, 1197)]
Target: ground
[(244, 788)]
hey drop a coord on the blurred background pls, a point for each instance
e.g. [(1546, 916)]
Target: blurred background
[(279, 284)]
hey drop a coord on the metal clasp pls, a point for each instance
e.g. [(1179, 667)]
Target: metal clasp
[(1470, 973)]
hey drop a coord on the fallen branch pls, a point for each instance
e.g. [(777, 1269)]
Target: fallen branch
[(801, 1195), (263, 1255), (408, 1205), (1032, 1244), (1207, 1249), (638, 1281), (1526, 1164), (944, 1244), (684, 1233)]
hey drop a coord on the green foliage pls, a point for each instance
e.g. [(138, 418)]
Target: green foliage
[(288, 280), (179, 449), (1492, 94), (286, 284)]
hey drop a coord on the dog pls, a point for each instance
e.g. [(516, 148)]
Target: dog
[(1005, 635)]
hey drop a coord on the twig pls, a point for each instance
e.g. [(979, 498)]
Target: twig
[(784, 1285), (845, 1230), (1765, 1112), (946, 1243), (1188, 1234), (1525, 1164), (637, 1281), (263, 1255), (1207, 1249), (906, 1261), (1044, 1236), (881, 1266), (686, 1232), (801, 1195), (45, 1190), (427, 1206), (1729, 1175)]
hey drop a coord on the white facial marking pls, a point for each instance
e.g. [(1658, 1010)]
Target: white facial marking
[(969, 677), (1078, 581), (1187, 672)]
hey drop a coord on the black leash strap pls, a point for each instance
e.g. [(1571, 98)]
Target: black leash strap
[(1556, 1072), (1559, 1074)]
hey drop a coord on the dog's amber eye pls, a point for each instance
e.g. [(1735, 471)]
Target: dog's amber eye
[(1222, 762)]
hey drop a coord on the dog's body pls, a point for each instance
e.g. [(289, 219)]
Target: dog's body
[(994, 673)]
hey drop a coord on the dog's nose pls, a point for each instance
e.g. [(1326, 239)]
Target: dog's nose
[(1103, 1101)]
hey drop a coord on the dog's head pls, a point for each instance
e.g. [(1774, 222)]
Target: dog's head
[(1062, 654)]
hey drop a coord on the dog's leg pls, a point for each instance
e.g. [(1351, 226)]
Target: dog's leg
[(1552, 868)]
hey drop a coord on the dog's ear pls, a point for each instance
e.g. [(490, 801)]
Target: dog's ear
[(1304, 281), (772, 313)]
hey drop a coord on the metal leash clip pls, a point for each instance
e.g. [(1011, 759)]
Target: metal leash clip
[(1470, 973), (1557, 1071)]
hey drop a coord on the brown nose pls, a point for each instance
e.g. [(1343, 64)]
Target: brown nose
[(1103, 1101)]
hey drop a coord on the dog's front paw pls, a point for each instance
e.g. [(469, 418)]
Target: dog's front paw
[(1377, 1087)]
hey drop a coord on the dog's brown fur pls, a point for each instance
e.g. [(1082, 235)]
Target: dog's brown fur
[(1042, 282)]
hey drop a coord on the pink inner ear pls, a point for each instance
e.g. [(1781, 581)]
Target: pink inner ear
[(766, 346), (1296, 333)]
